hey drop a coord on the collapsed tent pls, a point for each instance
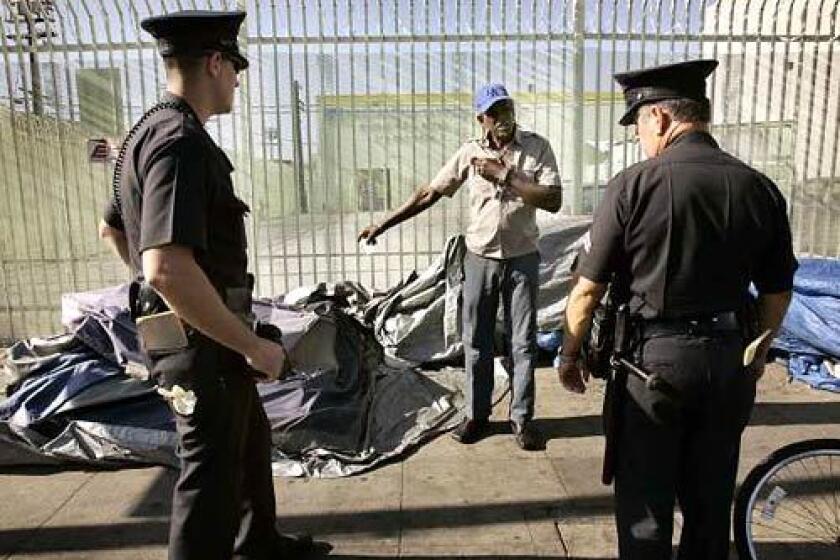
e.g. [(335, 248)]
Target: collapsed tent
[(357, 395), (342, 410)]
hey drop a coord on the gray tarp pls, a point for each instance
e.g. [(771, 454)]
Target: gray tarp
[(420, 322)]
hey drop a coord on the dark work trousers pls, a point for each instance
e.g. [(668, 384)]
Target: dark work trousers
[(515, 280), (685, 447), (223, 505)]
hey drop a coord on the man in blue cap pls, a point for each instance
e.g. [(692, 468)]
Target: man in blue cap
[(177, 223), (683, 234), (510, 172)]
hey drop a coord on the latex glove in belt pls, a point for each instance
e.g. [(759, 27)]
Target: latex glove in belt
[(182, 401)]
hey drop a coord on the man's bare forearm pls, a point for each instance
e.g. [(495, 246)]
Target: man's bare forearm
[(549, 199), (116, 240), (423, 198), (771, 313), (583, 299), (174, 274)]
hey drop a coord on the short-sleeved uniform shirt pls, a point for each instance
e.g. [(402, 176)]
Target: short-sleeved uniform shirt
[(176, 189), (501, 227), (691, 228)]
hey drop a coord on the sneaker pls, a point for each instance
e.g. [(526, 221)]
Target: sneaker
[(470, 431), (527, 436)]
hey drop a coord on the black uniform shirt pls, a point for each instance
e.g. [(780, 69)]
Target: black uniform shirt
[(691, 228), (176, 189)]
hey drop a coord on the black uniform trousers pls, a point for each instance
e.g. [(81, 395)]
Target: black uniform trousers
[(683, 445), (223, 505)]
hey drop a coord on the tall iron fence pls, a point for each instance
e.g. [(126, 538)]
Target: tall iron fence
[(348, 106)]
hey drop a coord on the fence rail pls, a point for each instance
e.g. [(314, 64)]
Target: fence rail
[(348, 106)]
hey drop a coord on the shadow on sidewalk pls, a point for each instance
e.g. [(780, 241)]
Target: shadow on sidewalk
[(155, 532), (78, 538), (479, 557), (764, 414), (783, 414)]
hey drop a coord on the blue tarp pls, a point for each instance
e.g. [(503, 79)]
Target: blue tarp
[(810, 333), (55, 383)]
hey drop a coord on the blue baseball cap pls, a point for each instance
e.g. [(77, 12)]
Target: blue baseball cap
[(488, 94)]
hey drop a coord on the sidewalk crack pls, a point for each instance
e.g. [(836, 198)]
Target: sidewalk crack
[(51, 516)]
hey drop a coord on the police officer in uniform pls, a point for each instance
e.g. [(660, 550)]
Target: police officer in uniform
[(180, 227), (690, 228), (510, 172)]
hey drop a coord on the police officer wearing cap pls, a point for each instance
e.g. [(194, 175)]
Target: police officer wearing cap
[(178, 224), (689, 228), (510, 172)]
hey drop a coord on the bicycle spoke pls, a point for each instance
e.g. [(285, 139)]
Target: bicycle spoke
[(808, 505), (797, 506), (803, 464), (802, 537), (834, 495), (791, 506), (803, 532)]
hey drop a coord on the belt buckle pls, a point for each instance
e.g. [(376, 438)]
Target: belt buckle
[(704, 326)]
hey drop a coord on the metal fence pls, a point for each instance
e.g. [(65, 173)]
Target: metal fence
[(348, 106)]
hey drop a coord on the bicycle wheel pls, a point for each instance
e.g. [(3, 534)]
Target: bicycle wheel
[(789, 505)]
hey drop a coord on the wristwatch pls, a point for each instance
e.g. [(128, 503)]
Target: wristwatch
[(562, 359)]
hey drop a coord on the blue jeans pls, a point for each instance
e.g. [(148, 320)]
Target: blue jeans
[(516, 281)]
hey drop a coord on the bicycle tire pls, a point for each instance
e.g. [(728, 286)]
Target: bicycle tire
[(757, 478)]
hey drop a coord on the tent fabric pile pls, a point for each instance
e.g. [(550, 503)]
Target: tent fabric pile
[(341, 411), (810, 334), (370, 378)]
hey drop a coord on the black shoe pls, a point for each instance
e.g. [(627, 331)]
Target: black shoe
[(527, 436), (302, 547), (470, 431)]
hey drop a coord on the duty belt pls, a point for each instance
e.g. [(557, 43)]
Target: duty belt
[(144, 300), (726, 321)]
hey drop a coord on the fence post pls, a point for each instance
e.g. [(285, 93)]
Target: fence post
[(297, 142), (243, 148), (579, 22)]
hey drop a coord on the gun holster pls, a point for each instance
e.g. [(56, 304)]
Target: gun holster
[(143, 300), (599, 344), (625, 331), (171, 357)]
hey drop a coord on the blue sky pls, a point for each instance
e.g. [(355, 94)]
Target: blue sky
[(393, 17)]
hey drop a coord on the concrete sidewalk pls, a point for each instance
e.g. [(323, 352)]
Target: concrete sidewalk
[(488, 500)]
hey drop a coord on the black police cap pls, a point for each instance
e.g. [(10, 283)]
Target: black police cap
[(198, 32), (671, 81)]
